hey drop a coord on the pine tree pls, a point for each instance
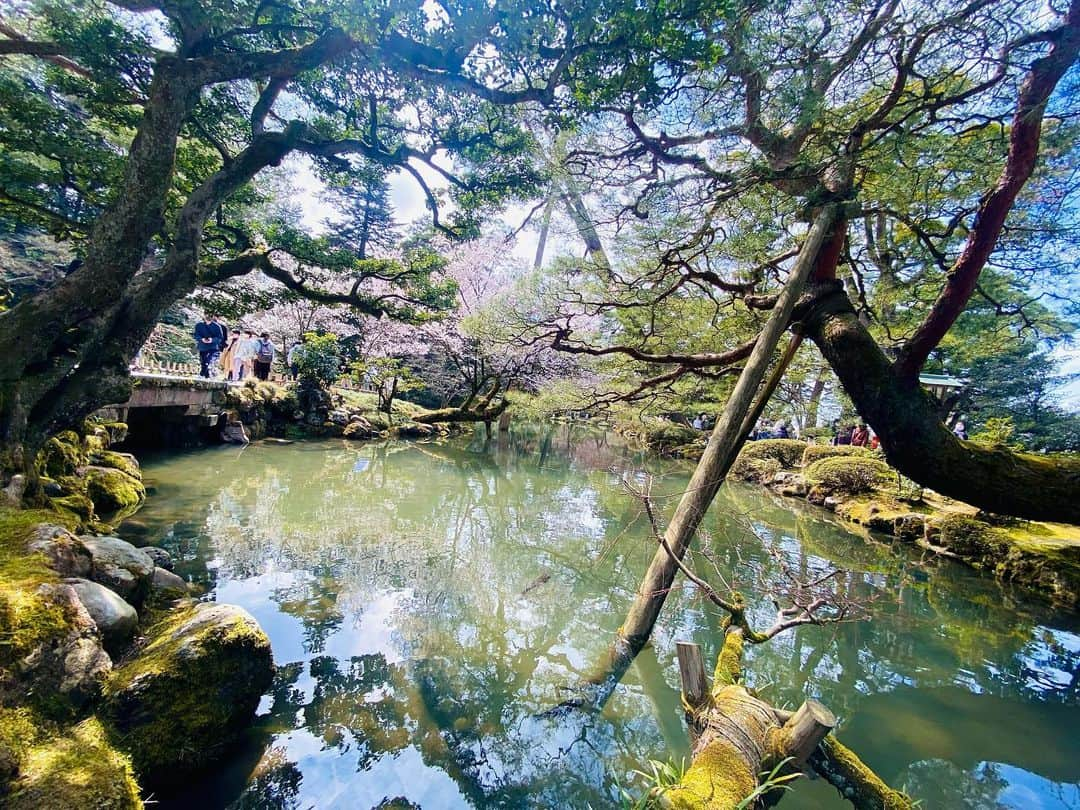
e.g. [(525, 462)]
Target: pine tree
[(368, 215)]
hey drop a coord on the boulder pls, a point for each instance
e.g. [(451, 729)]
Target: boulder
[(118, 565), (168, 585), (113, 490), (183, 700), (909, 528), (12, 494), (789, 483), (338, 417), (359, 429), (161, 558), (77, 504), (125, 462), (62, 455), (71, 661), (116, 620), (414, 430), (65, 553)]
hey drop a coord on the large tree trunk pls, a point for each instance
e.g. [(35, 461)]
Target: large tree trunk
[(914, 438), (55, 347)]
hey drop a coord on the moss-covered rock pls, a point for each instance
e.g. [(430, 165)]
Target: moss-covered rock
[(184, 698), (75, 506), (125, 462), (751, 463), (816, 452), (846, 475), (975, 541), (50, 648), (112, 490), (62, 455), (76, 769), (64, 552), (1052, 573), (67, 665), (415, 430)]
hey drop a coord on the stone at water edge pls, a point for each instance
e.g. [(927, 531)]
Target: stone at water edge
[(65, 553), (168, 585), (161, 558), (116, 620), (120, 566), (73, 665), (113, 490), (182, 701)]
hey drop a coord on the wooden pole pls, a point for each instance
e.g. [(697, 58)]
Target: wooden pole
[(695, 684), (800, 735), (723, 445)]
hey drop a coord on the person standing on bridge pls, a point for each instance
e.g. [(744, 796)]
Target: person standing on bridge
[(264, 356), (228, 356), (244, 356), (209, 335)]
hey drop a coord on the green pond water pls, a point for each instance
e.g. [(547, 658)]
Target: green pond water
[(429, 602)]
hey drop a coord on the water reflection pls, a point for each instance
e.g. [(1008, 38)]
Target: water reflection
[(428, 602)]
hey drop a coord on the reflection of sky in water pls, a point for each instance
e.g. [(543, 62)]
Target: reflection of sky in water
[(427, 603)]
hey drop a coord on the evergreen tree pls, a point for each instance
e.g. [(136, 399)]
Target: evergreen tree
[(368, 216)]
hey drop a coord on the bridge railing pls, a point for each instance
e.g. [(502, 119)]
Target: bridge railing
[(166, 369), (190, 370)]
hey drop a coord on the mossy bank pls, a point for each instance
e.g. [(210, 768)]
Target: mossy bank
[(1043, 559), (100, 702)]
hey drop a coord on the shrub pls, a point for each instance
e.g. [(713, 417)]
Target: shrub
[(318, 361), (761, 470), (847, 475), (787, 452), (816, 452), (663, 434)]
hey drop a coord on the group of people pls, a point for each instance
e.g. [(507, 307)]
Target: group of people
[(859, 435), (234, 354)]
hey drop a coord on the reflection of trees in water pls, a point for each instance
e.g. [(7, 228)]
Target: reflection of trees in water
[(458, 535)]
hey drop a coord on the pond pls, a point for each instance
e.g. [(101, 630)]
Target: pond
[(428, 602)]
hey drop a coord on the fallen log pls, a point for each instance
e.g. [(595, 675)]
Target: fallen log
[(737, 737)]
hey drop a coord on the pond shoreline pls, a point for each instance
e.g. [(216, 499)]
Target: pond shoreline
[(1042, 560)]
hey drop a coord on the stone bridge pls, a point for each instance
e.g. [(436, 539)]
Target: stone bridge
[(168, 399)]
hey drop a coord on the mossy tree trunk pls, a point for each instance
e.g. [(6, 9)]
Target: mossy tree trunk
[(737, 736), (916, 441)]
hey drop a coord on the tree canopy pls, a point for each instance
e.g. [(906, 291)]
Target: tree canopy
[(690, 144)]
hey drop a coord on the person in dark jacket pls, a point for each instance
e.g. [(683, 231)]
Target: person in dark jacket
[(209, 335)]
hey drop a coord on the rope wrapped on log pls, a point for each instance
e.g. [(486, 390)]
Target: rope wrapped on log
[(736, 736)]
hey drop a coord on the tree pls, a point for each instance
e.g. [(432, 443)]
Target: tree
[(903, 115), (389, 377), (368, 219), (151, 220), (318, 363)]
